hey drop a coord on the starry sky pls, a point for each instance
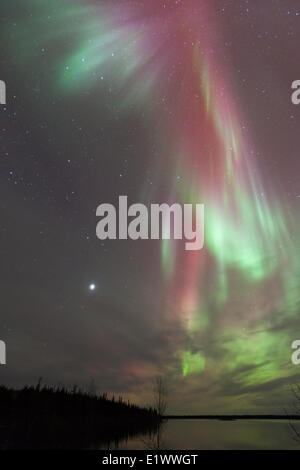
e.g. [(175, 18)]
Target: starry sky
[(163, 101)]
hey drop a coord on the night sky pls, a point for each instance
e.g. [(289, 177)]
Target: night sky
[(163, 101)]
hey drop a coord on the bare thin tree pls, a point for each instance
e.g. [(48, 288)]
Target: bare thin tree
[(160, 396)]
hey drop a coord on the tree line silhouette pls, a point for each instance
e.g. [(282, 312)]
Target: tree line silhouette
[(48, 417)]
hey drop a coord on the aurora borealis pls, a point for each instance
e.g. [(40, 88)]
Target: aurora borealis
[(167, 101)]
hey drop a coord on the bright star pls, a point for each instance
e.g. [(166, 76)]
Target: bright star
[(92, 287)]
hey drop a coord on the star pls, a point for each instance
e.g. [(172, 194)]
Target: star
[(92, 287)]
